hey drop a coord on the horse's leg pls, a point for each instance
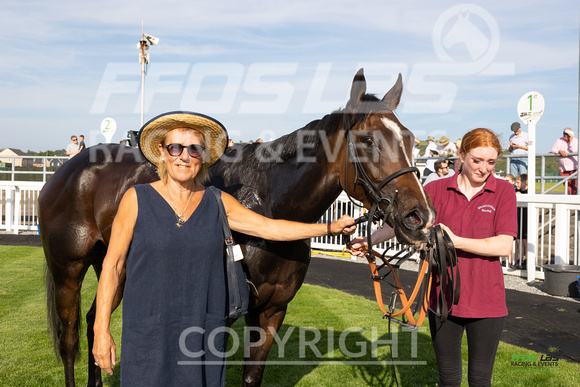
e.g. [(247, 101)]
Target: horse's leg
[(67, 301), (94, 371), (269, 322)]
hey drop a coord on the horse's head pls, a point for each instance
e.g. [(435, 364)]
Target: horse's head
[(377, 168)]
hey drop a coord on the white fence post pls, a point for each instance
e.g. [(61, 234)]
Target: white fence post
[(533, 247), (9, 207), (17, 212), (562, 245)]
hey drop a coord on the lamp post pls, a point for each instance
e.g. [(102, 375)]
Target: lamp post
[(143, 45)]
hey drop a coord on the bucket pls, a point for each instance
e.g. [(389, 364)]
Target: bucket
[(562, 280)]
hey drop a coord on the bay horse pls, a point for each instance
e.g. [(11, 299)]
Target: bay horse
[(295, 177)]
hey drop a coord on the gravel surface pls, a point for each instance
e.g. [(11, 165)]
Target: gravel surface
[(512, 281)]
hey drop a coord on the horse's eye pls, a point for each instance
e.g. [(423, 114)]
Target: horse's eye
[(368, 141)]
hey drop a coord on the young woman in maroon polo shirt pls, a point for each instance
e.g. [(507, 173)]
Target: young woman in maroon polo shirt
[(478, 211)]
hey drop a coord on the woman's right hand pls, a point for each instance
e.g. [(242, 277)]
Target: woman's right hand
[(104, 351), (358, 246)]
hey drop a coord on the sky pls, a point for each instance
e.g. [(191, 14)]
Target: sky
[(267, 68)]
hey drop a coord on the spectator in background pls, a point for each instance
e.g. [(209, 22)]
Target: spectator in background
[(519, 147), (511, 178), (522, 183), (432, 153), (457, 162), (72, 148), (441, 171), (82, 145), (522, 238), (446, 148), (568, 165), (416, 150)]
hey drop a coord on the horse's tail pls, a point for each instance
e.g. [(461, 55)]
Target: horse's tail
[(53, 321)]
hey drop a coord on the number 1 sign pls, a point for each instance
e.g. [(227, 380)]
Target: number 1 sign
[(531, 107)]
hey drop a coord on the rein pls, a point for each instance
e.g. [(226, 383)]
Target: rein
[(440, 259)]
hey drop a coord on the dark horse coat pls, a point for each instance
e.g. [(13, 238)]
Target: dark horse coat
[(296, 177)]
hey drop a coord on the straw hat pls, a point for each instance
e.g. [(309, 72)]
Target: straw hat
[(152, 133), (443, 141), (430, 138)]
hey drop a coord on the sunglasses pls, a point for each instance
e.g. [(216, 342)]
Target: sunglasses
[(176, 150)]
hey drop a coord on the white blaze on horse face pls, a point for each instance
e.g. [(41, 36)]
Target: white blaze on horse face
[(396, 129)]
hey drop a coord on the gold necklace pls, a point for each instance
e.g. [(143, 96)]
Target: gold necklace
[(180, 218)]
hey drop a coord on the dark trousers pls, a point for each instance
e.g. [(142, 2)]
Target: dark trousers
[(482, 340)]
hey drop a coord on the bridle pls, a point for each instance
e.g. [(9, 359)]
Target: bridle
[(360, 175)]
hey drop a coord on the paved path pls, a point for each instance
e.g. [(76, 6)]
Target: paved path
[(536, 322)]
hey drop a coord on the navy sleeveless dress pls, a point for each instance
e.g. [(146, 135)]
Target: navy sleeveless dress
[(174, 304)]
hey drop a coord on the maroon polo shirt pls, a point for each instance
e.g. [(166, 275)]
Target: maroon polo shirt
[(491, 212)]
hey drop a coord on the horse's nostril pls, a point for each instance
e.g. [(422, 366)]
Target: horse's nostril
[(416, 218), (413, 218)]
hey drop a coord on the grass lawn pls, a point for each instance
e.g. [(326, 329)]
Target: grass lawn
[(326, 340)]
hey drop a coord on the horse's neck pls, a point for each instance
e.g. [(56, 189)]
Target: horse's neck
[(301, 185), (312, 176)]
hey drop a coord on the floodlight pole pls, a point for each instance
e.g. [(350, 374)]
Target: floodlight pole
[(143, 60)]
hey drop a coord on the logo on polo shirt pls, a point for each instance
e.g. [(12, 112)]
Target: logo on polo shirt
[(486, 208)]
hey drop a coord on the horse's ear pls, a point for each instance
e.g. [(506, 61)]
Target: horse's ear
[(393, 96), (359, 88)]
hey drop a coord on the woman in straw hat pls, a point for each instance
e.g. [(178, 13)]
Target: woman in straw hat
[(169, 236)]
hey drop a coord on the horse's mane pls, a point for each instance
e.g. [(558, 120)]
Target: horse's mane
[(329, 124)]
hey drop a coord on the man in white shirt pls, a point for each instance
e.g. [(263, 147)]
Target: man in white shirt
[(416, 150), (432, 153), (72, 148), (519, 147)]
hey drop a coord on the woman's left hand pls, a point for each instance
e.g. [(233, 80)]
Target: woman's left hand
[(448, 231), (345, 225)]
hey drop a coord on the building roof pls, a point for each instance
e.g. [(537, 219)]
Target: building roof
[(12, 152)]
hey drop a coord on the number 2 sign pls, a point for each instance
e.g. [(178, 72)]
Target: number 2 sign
[(108, 128)]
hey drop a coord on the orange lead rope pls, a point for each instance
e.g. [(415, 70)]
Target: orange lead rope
[(407, 303), (442, 256)]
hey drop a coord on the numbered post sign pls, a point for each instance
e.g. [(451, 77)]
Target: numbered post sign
[(108, 128), (531, 107)]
